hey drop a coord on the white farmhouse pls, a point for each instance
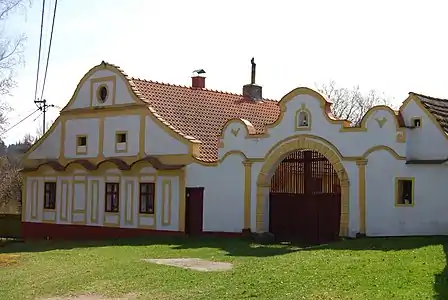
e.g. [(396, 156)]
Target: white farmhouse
[(130, 157)]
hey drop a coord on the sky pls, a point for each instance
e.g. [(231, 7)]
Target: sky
[(394, 47)]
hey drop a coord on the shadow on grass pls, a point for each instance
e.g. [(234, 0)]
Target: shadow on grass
[(244, 247), (441, 280), (234, 246)]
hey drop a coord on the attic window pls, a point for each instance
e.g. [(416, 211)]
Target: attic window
[(417, 122), (81, 144), (102, 93), (121, 142), (82, 140), (121, 137)]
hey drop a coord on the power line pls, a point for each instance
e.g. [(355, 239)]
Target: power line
[(40, 50), (42, 103), (34, 120), (19, 122), (49, 50)]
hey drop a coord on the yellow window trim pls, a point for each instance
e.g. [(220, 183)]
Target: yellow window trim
[(397, 191)]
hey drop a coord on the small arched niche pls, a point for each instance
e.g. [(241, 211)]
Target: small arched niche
[(303, 118)]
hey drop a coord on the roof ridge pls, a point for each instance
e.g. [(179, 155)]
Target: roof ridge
[(429, 97), (191, 88), (139, 95)]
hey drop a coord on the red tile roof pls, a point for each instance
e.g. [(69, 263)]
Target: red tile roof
[(202, 113)]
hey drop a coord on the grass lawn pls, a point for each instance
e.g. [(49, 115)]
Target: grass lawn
[(393, 268)]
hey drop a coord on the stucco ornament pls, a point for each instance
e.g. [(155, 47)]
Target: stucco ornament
[(381, 121)]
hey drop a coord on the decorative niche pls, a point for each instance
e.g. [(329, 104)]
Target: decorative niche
[(303, 118)]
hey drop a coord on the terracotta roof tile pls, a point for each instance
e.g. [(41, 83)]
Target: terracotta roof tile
[(437, 107), (202, 113)]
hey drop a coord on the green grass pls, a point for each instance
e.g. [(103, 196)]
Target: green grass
[(393, 268)]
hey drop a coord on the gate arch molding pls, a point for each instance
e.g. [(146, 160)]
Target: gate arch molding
[(275, 158)]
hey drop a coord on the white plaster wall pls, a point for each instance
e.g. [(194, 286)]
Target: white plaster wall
[(159, 142), (353, 210), (50, 147), (351, 144), (420, 138), (223, 193), (88, 127), (348, 143), (426, 217), (131, 124), (173, 224), (85, 94), (94, 214)]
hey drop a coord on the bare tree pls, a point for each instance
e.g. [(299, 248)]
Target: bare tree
[(351, 104), (28, 140), (11, 53), (10, 186)]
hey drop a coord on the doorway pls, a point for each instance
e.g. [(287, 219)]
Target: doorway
[(194, 205), (305, 199)]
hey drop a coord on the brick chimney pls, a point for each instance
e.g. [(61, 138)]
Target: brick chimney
[(198, 80), (252, 90)]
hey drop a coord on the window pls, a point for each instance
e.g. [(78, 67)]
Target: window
[(112, 197), (404, 191), (416, 122), (50, 195), (102, 93), (147, 198), (121, 142), (121, 137), (82, 140)]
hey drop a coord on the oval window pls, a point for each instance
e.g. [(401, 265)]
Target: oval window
[(102, 93)]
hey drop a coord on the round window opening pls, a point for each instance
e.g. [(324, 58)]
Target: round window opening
[(102, 93)]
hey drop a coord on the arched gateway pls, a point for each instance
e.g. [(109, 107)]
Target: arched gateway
[(302, 191)]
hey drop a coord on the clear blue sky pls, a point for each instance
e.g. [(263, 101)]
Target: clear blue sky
[(391, 46)]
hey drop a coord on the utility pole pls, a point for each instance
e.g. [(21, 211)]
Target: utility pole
[(43, 106)]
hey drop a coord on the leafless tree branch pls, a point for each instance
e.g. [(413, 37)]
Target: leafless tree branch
[(351, 104), (11, 53)]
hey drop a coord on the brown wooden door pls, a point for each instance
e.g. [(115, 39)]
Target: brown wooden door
[(194, 210)]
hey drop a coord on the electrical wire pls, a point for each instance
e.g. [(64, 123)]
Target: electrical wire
[(49, 50), (40, 50), (19, 122), (37, 117)]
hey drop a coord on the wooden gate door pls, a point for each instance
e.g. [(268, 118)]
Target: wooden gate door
[(194, 210), (305, 199)]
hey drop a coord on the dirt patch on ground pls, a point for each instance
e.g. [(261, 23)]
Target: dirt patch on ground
[(193, 264), (8, 259), (89, 297)]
